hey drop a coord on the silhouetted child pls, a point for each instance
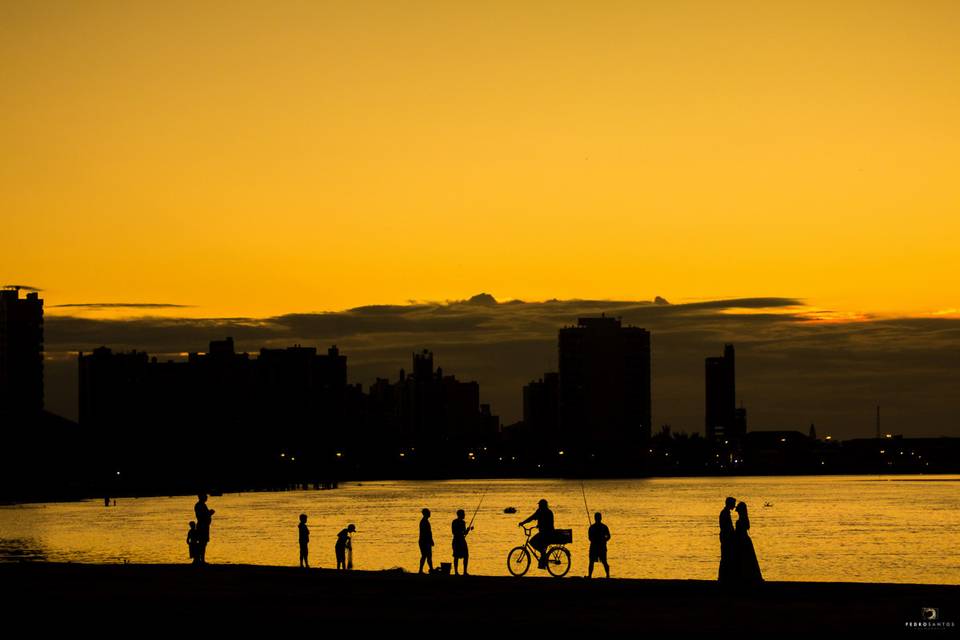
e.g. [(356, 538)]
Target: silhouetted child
[(343, 544), (426, 541), (192, 541), (304, 540)]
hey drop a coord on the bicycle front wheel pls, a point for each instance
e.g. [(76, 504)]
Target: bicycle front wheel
[(518, 561), (558, 562)]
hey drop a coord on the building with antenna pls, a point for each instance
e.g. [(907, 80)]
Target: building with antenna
[(723, 420), (21, 352)]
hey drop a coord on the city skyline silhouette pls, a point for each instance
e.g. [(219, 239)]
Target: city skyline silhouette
[(806, 366), (289, 416)]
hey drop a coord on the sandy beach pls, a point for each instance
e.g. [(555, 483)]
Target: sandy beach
[(227, 596)]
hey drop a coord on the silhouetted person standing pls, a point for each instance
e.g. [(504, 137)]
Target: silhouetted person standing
[(426, 541), (544, 537), (304, 541), (598, 535), (343, 544), (728, 565), (192, 540), (204, 516), (748, 568), (460, 530)]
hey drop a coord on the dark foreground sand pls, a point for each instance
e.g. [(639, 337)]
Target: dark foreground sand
[(141, 598)]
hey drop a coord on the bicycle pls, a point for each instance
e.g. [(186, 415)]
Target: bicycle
[(558, 557)]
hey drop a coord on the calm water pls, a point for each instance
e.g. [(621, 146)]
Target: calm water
[(865, 528)]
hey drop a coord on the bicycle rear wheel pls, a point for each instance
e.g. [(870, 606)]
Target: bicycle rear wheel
[(518, 561), (558, 561)]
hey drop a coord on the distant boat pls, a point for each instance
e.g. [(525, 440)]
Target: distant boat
[(510, 510)]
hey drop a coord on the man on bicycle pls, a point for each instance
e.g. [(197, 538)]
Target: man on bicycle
[(544, 537)]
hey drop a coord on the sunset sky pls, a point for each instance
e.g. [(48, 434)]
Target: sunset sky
[(257, 158), (209, 168)]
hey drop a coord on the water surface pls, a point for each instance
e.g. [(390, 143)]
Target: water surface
[(829, 528)]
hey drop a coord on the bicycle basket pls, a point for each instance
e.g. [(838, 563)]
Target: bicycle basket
[(562, 536)]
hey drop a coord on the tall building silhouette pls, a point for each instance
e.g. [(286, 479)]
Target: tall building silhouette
[(604, 383), (250, 418), (304, 394), (218, 414), (21, 353), (723, 420), (541, 407), (437, 410), (41, 454)]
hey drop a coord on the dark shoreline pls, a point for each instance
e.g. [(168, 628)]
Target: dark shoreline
[(227, 596), (889, 477)]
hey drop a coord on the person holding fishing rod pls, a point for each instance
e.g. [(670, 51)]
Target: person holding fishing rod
[(598, 534), (460, 530), (460, 550)]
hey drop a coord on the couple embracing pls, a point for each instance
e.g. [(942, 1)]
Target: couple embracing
[(738, 559)]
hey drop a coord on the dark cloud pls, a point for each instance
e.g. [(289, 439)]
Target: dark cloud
[(153, 334), (122, 305), (483, 299), (25, 287), (792, 367)]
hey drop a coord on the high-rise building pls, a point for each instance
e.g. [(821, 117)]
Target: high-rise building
[(217, 412), (723, 420), (541, 407), (604, 383), (438, 408), (21, 352)]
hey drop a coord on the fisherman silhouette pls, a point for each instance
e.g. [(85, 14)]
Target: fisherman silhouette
[(460, 530), (728, 563), (748, 568), (204, 516), (304, 536), (192, 540), (598, 535), (343, 543), (544, 537), (426, 541)]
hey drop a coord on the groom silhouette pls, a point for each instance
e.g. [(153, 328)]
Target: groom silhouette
[(727, 544)]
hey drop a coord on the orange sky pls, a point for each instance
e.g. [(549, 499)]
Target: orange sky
[(256, 158)]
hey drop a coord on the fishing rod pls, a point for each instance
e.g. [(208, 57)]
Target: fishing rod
[(585, 507), (482, 496)]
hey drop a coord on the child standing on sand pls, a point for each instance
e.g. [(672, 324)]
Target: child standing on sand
[(343, 547), (192, 540), (304, 540)]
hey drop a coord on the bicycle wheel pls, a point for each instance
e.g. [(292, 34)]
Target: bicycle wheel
[(558, 561), (518, 561)]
